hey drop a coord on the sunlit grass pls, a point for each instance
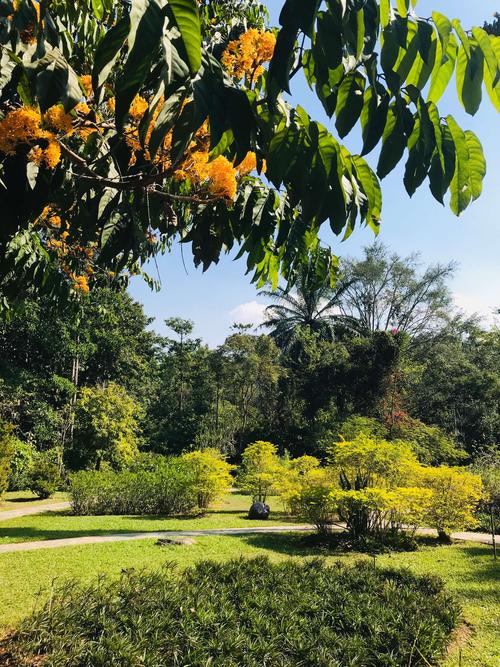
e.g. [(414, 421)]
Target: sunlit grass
[(16, 500), (229, 513), (468, 569)]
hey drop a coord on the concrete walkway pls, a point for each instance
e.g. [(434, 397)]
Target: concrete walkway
[(480, 538), (34, 509), (123, 537)]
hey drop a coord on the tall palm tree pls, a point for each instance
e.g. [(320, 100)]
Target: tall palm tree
[(308, 305)]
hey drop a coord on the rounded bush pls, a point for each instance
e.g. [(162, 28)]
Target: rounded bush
[(245, 613)]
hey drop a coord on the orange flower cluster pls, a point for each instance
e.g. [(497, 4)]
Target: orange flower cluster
[(23, 126), (28, 36), (219, 176), (86, 84), (27, 126), (245, 56), (57, 242)]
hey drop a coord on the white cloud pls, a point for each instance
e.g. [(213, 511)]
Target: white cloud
[(251, 312)]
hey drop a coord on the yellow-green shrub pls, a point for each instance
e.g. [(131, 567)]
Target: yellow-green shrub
[(455, 495), (211, 475), (261, 470), (367, 462), (294, 475), (313, 500)]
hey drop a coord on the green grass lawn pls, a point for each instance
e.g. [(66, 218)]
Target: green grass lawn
[(16, 500), (26, 577), (230, 513)]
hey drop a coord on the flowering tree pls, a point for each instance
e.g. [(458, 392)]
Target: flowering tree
[(126, 124)]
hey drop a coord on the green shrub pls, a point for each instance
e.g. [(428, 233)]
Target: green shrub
[(21, 462), (247, 613), (261, 470), (166, 486), (7, 442), (211, 475), (45, 474)]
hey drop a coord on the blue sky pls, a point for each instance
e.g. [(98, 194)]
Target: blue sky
[(224, 294)]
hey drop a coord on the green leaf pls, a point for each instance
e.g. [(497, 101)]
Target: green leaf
[(186, 16), (486, 47), (403, 6), (444, 29), (166, 119), (470, 78), (373, 118), (393, 143), (54, 80), (425, 34), (146, 28), (493, 83), (441, 171), (108, 51), (477, 164), (281, 63), (462, 36), (372, 190), (460, 186), (443, 70), (98, 8), (349, 103), (282, 152), (385, 12)]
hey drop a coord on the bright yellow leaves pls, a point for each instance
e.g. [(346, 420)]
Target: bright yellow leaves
[(245, 56)]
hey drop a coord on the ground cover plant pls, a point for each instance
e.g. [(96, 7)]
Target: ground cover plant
[(245, 612), (468, 570)]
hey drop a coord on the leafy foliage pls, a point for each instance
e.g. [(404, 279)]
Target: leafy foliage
[(253, 611), (210, 473), (130, 125), (7, 444), (455, 496), (22, 459), (164, 486), (45, 475), (378, 487), (106, 427), (260, 471)]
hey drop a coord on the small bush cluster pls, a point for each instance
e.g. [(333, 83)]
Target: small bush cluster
[(378, 488), (21, 464), (247, 613), (44, 477), (155, 485)]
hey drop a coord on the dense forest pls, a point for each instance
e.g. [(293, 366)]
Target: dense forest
[(383, 351)]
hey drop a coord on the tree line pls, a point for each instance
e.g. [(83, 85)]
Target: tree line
[(383, 352)]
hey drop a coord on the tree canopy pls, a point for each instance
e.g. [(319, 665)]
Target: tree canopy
[(127, 125)]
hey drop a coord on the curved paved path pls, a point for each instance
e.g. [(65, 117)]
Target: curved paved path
[(481, 538), (35, 509)]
